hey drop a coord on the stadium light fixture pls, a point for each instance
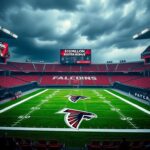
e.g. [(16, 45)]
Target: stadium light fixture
[(135, 36), (145, 34), (8, 33), (145, 31)]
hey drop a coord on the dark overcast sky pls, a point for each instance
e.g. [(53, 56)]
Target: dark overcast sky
[(46, 26)]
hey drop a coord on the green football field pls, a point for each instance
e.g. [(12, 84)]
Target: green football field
[(39, 115)]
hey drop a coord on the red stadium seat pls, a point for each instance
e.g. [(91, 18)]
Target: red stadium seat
[(39, 72)]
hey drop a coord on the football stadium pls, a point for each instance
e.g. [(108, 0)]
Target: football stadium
[(75, 103)]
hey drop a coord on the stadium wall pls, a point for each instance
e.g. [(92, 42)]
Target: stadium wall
[(143, 94), (10, 92)]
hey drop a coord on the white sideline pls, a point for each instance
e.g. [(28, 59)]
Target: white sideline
[(22, 101), (76, 130), (130, 103)]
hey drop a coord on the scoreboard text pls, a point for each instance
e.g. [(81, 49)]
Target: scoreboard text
[(75, 56)]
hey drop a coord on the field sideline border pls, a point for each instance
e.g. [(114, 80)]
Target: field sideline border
[(130, 103), (75, 130), (22, 101)]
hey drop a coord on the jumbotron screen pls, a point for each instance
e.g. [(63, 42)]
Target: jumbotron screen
[(75, 56)]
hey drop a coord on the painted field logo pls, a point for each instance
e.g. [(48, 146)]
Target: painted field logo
[(74, 98), (73, 118)]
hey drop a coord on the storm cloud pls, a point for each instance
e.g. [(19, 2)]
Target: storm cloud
[(44, 27)]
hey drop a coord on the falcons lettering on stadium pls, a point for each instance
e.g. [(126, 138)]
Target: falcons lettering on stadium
[(73, 118), (74, 78), (142, 96)]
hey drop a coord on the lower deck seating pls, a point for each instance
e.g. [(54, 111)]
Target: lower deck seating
[(143, 82), (74, 80), (93, 80), (137, 81), (53, 80), (11, 81)]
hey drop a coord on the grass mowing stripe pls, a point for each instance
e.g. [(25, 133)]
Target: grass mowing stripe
[(22, 101), (128, 102)]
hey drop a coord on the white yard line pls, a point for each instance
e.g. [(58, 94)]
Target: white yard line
[(76, 130), (22, 101), (128, 102)]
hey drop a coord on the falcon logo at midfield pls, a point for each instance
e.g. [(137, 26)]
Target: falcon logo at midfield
[(74, 98), (73, 118)]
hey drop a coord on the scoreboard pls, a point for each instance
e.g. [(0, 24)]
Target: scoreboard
[(75, 56)]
